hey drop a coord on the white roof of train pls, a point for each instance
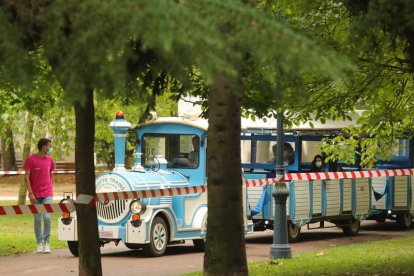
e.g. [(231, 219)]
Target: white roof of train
[(259, 124), (188, 107), (198, 122), (271, 123)]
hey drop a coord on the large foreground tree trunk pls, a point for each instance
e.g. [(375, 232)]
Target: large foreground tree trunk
[(225, 246), (26, 152), (8, 152), (89, 247)]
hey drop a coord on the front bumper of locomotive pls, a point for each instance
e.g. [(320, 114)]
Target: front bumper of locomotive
[(67, 229), (132, 230)]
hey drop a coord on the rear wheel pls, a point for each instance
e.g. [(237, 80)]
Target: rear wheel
[(158, 238), (353, 228), (405, 221), (293, 232), (74, 248)]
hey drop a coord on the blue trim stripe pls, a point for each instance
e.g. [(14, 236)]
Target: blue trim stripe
[(389, 202), (410, 192), (354, 203), (310, 198), (324, 197), (292, 201), (370, 194), (341, 196)]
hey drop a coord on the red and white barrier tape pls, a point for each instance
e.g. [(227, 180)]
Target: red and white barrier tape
[(248, 183), (345, 175), (88, 199), (328, 175), (36, 209), (150, 193), (265, 181)]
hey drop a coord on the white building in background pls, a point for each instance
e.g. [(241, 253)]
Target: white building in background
[(186, 108)]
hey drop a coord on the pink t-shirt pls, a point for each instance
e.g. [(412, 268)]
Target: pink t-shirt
[(40, 174)]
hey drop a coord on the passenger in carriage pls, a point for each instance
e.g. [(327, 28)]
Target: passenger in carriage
[(318, 164), (193, 155), (288, 154), (335, 167)]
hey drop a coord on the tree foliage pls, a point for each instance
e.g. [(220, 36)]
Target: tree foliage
[(382, 37), (135, 108), (105, 46), (43, 104), (377, 36)]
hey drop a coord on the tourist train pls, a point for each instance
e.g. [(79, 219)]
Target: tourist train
[(171, 153)]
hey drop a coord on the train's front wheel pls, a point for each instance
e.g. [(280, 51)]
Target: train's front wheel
[(158, 239), (74, 248)]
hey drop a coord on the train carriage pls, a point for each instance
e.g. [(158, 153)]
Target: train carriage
[(343, 202)]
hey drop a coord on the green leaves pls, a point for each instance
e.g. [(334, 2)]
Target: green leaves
[(106, 38), (15, 65)]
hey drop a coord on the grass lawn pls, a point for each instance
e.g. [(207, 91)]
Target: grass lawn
[(17, 233), (388, 257)]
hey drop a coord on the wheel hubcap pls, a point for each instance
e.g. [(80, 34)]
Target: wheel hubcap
[(293, 230), (407, 219), (354, 225), (159, 236)]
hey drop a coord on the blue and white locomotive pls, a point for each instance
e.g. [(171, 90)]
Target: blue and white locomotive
[(170, 153)]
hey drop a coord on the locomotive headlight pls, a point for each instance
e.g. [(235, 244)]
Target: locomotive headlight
[(137, 207)]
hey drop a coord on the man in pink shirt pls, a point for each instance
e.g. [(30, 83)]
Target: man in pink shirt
[(38, 179)]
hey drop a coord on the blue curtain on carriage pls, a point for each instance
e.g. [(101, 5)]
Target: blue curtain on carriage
[(265, 198), (384, 191)]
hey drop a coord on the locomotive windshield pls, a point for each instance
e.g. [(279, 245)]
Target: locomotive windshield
[(180, 150)]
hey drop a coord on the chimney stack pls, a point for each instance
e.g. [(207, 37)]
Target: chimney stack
[(120, 127)]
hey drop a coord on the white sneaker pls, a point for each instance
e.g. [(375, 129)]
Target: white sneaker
[(46, 248), (39, 248)]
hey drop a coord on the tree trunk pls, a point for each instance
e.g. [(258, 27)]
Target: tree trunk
[(89, 246), (225, 252), (26, 153), (8, 152)]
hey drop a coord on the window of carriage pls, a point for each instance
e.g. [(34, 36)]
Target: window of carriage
[(266, 152)]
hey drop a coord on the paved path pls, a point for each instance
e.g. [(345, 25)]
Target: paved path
[(181, 259)]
